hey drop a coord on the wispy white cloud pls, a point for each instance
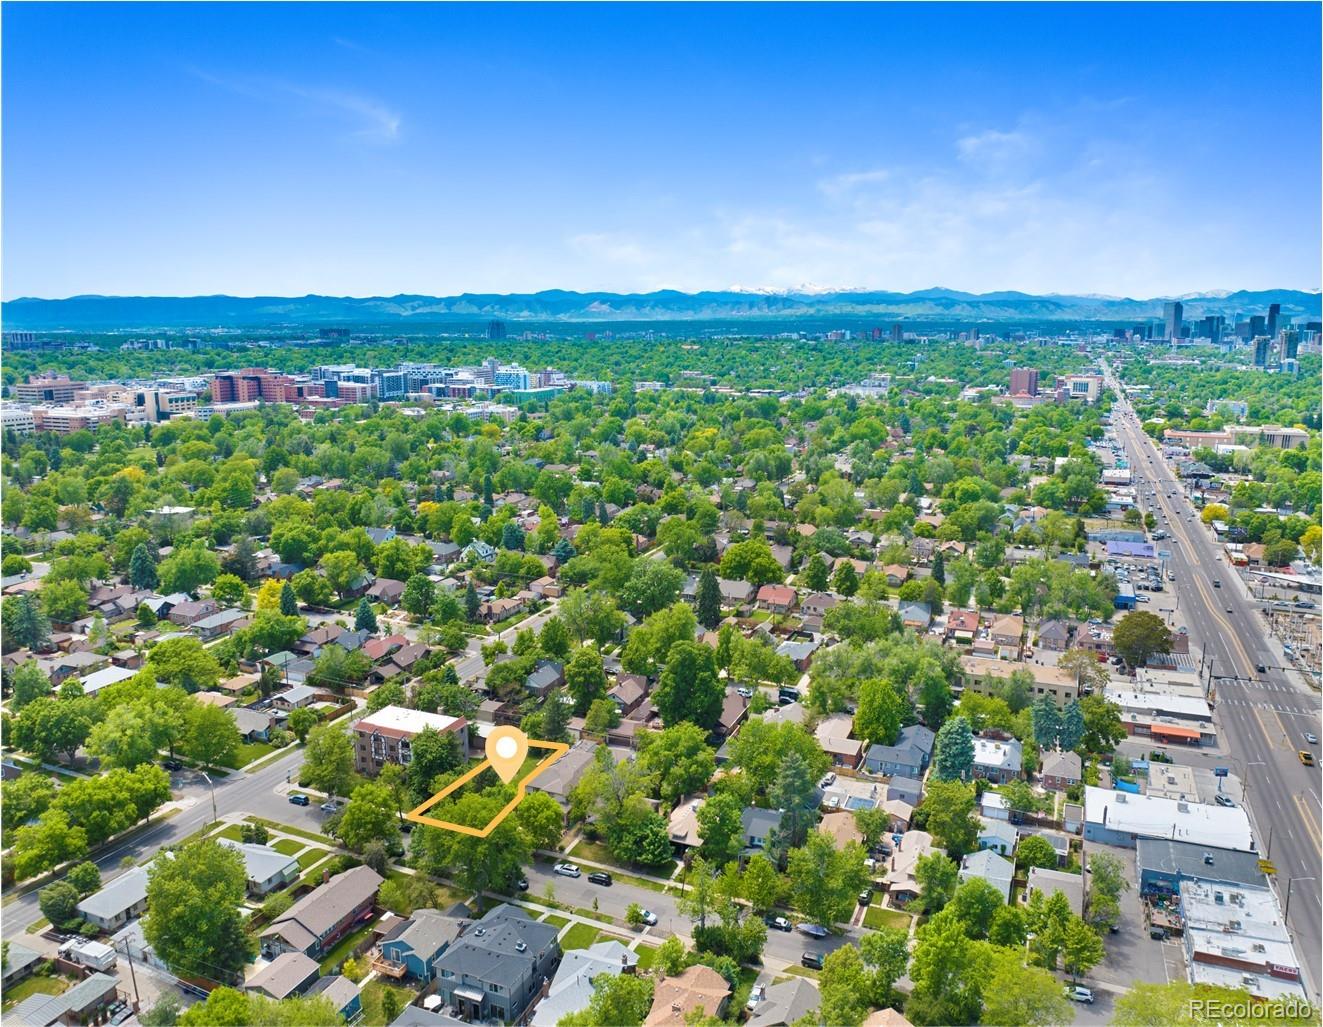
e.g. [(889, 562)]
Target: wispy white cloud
[(374, 120), (993, 145), (837, 185)]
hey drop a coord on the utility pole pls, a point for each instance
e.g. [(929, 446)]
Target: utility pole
[(128, 951)]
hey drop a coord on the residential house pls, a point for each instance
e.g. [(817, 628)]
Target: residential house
[(1008, 630), (118, 902), (818, 603), (899, 813), (734, 709), (961, 625), (798, 651), (630, 690), (493, 611), (545, 675), (401, 661), (839, 825), (223, 622), (20, 961), (312, 641), (289, 974), (498, 967), (386, 590), (572, 988), (253, 725), (380, 535), (905, 789), (386, 735), (991, 867), (998, 835), (682, 827), (1049, 881), (698, 993), (188, 613), (777, 598), (413, 946), (988, 677), (1061, 770), (266, 868), (916, 616), (342, 993), (1055, 635), (998, 760), (377, 649), (757, 826), (907, 758), (326, 914), (896, 574), (82, 1003), (899, 880), (294, 697), (559, 779), (786, 1003)]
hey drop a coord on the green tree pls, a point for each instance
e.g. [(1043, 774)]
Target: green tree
[(184, 662), (679, 759), (302, 719), (947, 978), (880, 712), (953, 751), (229, 590), (585, 679), (195, 916), (845, 579), (122, 738), (1046, 720), (951, 820), (434, 754), (707, 605), (1082, 949), (689, 687), (1107, 881), (289, 601), (29, 683), (63, 601), (1083, 665), (720, 828), (25, 798), (1072, 726), (795, 794), (937, 876), (419, 594), (1016, 995), (554, 638), (762, 886), (49, 726), (844, 987), (541, 820), (370, 815), (618, 1000), (142, 568), (341, 569), (825, 880), (1036, 851), (814, 575), (29, 627), (1140, 635), (213, 740), (365, 619), (188, 568), (58, 902), (85, 877), (975, 902), (1103, 729), (478, 864), (328, 763)]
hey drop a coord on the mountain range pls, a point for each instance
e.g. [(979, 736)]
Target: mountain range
[(90, 313)]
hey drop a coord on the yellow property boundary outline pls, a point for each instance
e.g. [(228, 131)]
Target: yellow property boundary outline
[(557, 749)]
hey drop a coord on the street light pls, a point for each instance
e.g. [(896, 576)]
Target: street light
[(1286, 912), (1028, 938), (212, 785)]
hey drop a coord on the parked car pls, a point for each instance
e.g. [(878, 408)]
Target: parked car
[(522, 884), (779, 923), (172, 764), (600, 877), (649, 918), (829, 780), (568, 870), (746, 693), (865, 897), (1224, 800), (1079, 993), (813, 960), (813, 930), (329, 806), (300, 800)]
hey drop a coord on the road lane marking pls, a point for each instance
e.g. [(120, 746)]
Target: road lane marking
[(1308, 815)]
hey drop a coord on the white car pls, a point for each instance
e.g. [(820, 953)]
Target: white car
[(649, 918), (746, 693), (1079, 993), (568, 870)]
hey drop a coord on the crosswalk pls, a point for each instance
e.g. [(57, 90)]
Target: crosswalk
[(1257, 704)]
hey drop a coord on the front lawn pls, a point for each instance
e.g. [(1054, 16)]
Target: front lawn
[(287, 846), (16, 993), (877, 917), (311, 857), (275, 825), (248, 752), (580, 936), (372, 995), (647, 956), (232, 831), (555, 921)]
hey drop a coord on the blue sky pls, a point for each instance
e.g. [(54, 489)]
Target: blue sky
[(285, 149)]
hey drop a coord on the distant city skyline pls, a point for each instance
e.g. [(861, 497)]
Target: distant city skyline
[(372, 150)]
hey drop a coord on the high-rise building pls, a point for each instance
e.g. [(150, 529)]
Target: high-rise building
[(1261, 345), (1290, 344), (496, 330), (1024, 381), (1274, 315), (1258, 325), (1172, 315), (897, 332), (1211, 327)]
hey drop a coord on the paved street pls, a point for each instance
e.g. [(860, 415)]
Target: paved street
[(1262, 716)]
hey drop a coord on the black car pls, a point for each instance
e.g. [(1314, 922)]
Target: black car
[(172, 764), (788, 695), (813, 960), (600, 877), (299, 800)]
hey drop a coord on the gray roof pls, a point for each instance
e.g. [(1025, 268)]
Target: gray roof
[(428, 932), (488, 951), (284, 975), (1165, 856), (295, 693), (1062, 764), (219, 620), (322, 908), (912, 747), (261, 861), (756, 822), (339, 989), (43, 1010), (786, 1003), (21, 957), (572, 987), (122, 893), (564, 774), (248, 721), (417, 1016)]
